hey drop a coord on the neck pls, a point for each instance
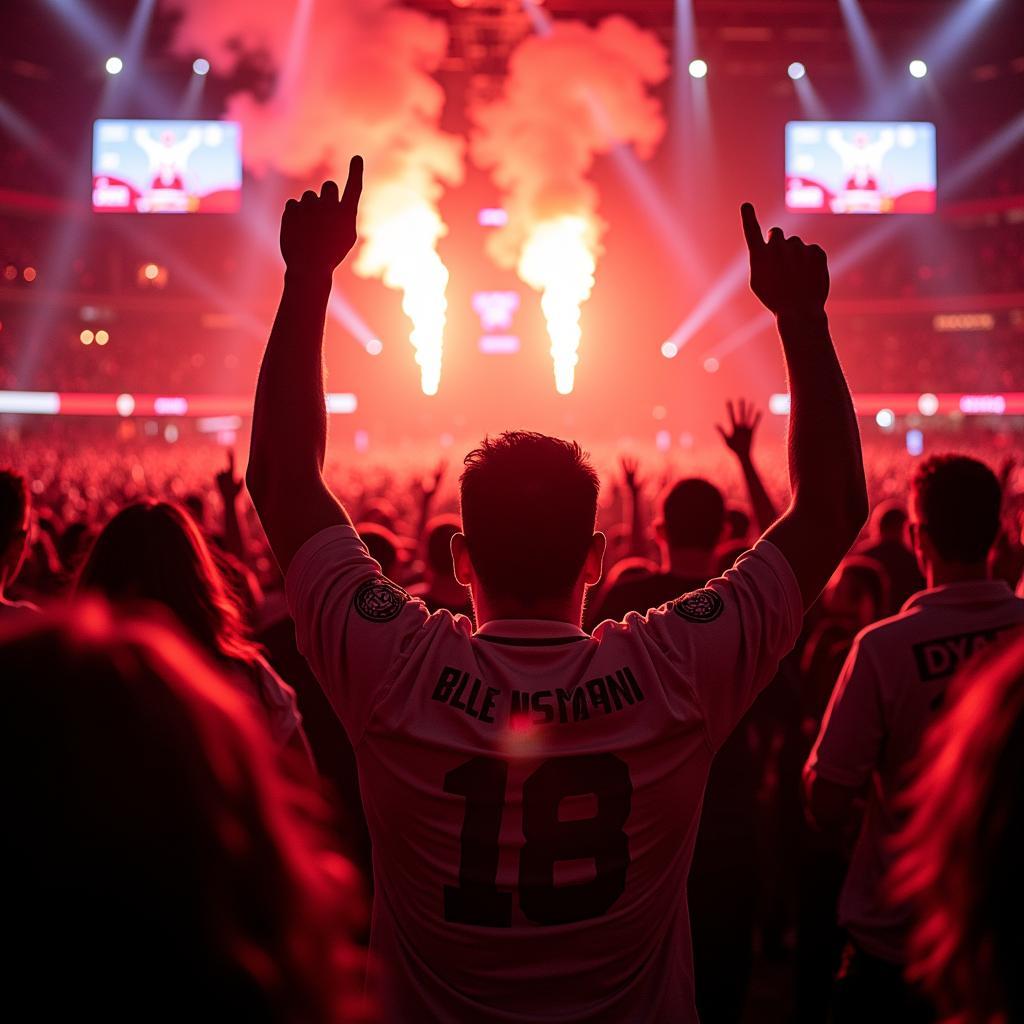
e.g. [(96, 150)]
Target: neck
[(956, 572), (568, 610), (693, 562)]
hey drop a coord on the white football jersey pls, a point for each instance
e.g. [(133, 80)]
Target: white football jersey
[(533, 792)]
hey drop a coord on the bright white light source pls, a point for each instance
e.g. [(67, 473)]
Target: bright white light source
[(796, 70), (374, 347), (201, 66), (711, 364), (698, 68), (124, 404), (928, 404), (114, 65), (918, 68), (885, 418), (669, 349)]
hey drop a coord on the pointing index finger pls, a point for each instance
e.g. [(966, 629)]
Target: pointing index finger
[(751, 229), (354, 185)]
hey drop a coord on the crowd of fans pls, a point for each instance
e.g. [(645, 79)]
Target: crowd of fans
[(170, 528)]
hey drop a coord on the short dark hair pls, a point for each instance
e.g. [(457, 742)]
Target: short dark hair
[(382, 545), (440, 531), (529, 506), (890, 517), (694, 514), (13, 502), (959, 500), (868, 576)]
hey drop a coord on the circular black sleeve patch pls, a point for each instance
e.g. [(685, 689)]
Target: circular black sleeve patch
[(380, 600), (699, 605)]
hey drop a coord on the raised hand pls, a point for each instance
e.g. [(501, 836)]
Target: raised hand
[(786, 275), (743, 421), (318, 231), (630, 466), (228, 483)]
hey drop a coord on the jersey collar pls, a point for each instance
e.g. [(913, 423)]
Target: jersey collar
[(968, 592), (530, 632)]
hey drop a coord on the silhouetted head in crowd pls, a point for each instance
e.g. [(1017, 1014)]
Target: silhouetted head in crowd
[(382, 545), (955, 507), (14, 521), (160, 866), (529, 507), (692, 516), (737, 524), (964, 844), (153, 551), (440, 531), (889, 521), (858, 592)]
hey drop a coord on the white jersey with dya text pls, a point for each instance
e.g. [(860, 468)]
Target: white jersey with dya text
[(533, 792), (889, 691)]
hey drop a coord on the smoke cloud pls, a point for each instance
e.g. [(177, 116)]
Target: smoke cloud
[(572, 93), (351, 76)]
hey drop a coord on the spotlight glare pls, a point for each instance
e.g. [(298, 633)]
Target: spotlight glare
[(698, 68), (669, 349), (102, 337), (918, 68), (885, 418), (114, 65), (796, 70), (151, 271), (928, 404), (374, 347), (201, 66), (86, 337), (711, 364)]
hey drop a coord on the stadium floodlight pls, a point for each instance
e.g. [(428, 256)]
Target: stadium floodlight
[(698, 68), (201, 66), (796, 70), (114, 65), (917, 68)]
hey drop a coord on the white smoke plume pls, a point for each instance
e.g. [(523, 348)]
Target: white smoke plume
[(572, 93), (352, 76)]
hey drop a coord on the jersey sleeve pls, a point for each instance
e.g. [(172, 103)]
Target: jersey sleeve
[(851, 734), (352, 624), (729, 637)]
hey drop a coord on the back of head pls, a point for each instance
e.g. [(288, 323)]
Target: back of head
[(738, 523), (13, 509), (153, 551), (858, 580), (529, 506), (693, 514), (888, 520), (382, 545), (957, 501), (964, 842), (440, 531), (151, 822)]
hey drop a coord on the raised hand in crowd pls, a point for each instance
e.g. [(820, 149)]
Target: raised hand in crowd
[(743, 423)]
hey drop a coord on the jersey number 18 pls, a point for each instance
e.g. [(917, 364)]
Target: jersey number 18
[(476, 900)]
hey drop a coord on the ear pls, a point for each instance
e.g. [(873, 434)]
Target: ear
[(461, 561), (593, 567)]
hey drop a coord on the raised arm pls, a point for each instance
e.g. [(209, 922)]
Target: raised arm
[(743, 421), (826, 472), (289, 424)]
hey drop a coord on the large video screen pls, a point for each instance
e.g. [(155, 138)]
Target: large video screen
[(166, 167), (860, 166)]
